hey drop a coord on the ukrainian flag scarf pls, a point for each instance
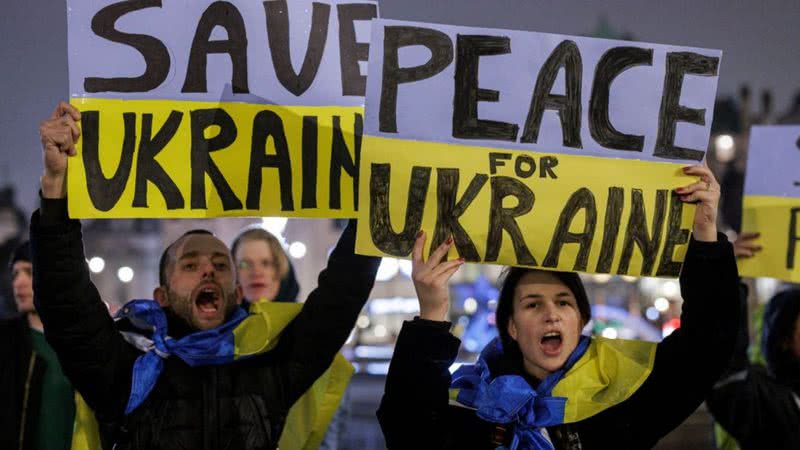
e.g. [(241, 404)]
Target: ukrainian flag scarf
[(599, 373), (243, 336)]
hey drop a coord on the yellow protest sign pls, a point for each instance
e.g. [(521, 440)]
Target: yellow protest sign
[(170, 159), (519, 208), (777, 220), (235, 108), (532, 149), (771, 204)]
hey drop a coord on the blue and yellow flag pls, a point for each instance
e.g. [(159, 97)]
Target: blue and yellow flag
[(244, 336)]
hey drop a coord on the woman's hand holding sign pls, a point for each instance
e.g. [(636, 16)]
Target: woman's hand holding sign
[(705, 193), (431, 278)]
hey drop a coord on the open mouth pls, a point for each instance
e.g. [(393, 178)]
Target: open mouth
[(207, 300), (551, 343)]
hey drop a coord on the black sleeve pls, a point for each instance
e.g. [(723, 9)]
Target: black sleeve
[(312, 340), (94, 356), (691, 359), (416, 397)]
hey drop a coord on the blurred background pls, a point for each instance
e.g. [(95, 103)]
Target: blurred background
[(758, 84)]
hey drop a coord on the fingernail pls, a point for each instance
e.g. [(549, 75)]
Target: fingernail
[(462, 260), (419, 234), (449, 240), (686, 169), (680, 189)]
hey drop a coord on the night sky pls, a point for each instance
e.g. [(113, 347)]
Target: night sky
[(760, 41)]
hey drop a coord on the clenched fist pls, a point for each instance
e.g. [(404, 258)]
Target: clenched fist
[(58, 133)]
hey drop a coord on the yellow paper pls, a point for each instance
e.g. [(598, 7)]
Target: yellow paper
[(588, 178), (773, 218), (302, 189)]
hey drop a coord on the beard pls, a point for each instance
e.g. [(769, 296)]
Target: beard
[(184, 308)]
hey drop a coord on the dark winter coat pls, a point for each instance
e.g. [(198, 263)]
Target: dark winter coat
[(415, 412), (236, 406)]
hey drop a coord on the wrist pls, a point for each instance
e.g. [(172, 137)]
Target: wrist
[(54, 186), (438, 313), (705, 234)]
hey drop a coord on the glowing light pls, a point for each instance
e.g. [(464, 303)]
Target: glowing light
[(380, 331), (470, 305), (274, 225), (609, 333), (601, 278), (297, 250), (670, 289), (652, 314), (363, 321), (388, 269), (125, 274), (97, 264), (725, 149), (661, 304)]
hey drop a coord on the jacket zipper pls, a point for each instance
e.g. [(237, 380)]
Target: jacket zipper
[(31, 365)]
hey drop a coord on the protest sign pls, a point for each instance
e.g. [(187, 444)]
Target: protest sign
[(532, 149), (772, 202), (201, 108)]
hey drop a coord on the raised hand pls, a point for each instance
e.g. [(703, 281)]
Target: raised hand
[(58, 133), (431, 278), (705, 193)]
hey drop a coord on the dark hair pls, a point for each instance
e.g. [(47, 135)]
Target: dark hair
[(780, 318), (168, 255), (21, 253), (505, 304)]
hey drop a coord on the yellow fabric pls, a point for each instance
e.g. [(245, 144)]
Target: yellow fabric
[(308, 418), (609, 372), (724, 440), (85, 433), (259, 332)]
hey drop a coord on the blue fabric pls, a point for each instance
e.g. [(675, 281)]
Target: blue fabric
[(510, 399), (202, 348)]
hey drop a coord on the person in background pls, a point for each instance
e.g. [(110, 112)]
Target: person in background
[(265, 273), (759, 405), (263, 270), (38, 406)]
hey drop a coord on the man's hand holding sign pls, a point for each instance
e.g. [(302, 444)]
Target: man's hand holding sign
[(59, 135)]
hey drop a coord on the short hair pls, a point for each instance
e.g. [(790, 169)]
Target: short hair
[(256, 233), (168, 255), (780, 318), (21, 253), (509, 280)]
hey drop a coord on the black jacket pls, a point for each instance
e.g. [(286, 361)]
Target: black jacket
[(235, 406), (20, 385), (414, 412), (760, 408)]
